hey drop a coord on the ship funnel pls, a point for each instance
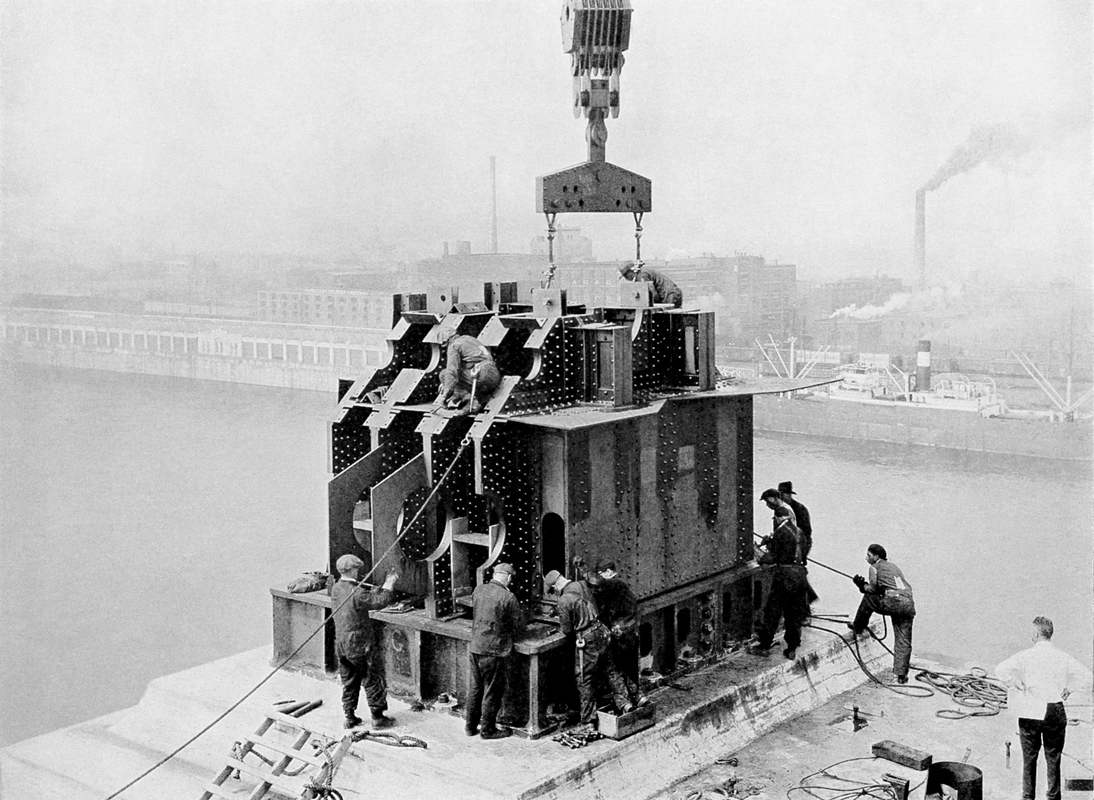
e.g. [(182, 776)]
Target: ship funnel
[(923, 366)]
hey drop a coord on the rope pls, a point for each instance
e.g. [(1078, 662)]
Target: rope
[(844, 788), (463, 446), (390, 739), (975, 690)]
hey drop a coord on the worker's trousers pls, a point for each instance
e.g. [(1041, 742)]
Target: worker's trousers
[(485, 378), (367, 669), (594, 663), (487, 690), (786, 601), (901, 609), (1052, 731)]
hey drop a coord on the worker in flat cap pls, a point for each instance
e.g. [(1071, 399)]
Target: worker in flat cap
[(787, 597), (664, 289), (470, 376), (593, 663), (356, 645), (496, 622)]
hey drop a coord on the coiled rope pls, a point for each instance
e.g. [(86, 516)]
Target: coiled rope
[(455, 459)]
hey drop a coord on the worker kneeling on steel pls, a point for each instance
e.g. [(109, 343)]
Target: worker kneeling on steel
[(665, 289), (470, 376), (887, 592)]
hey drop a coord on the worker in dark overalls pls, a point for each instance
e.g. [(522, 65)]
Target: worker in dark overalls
[(887, 592), (470, 376), (786, 599), (618, 609), (360, 659), (664, 289), (578, 621), (496, 620)]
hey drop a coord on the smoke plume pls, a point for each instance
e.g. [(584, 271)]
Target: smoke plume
[(989, 144), (894, 303)]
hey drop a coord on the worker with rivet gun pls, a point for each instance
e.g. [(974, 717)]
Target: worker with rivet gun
[(470, 376), (618, 610), (887, 592), (578, 621)]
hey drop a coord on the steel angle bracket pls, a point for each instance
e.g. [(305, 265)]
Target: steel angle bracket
[(401, 388), (493, 332), (535, 342), (595, 187), (485, 419)]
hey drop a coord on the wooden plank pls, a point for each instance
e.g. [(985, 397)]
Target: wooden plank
[(216, 790), (267, 778), (285, 749), (902, 754)]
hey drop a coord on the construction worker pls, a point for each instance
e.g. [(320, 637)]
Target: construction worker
[(887, 592), (360, 659), (1040, 679), (786, 598), (664, 290), (496, 620), (801, 517), (578, 621), (805, 530), (618, 610), (469, 370)]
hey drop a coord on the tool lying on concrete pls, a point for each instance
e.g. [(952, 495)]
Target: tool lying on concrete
[(577, 738)]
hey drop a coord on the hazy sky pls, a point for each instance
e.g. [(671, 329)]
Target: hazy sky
[(797, 130)]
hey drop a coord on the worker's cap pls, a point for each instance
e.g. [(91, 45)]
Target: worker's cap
[(348, 563), (786, 487), (447, 329), (772, 493), (605, 566), (627, 267), (504, 569), (782, 511), (551, 578)]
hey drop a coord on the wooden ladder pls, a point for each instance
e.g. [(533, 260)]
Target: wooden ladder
[(273, 777)]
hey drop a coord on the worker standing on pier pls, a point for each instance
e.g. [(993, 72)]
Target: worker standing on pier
[(578, 621), (664, 289), (496, 620), (801, 518), (1040, 679), (470, 376), (805, 531), (887, 592), (360, 659), (786, 598)]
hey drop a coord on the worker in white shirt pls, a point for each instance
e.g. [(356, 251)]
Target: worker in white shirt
[(1040, 679)]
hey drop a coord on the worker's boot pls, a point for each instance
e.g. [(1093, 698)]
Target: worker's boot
[(790, 653), (352, 721), (496, 733), (381, 721)]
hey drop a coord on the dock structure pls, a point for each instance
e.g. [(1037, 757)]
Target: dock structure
[(609, 439)]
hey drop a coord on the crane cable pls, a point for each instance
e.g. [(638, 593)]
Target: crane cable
[(463, 446)]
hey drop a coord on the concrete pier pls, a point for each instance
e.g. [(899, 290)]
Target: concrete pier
[(721, 708)]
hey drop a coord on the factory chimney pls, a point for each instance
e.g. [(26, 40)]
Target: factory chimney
[(921, 237), (493, 205)]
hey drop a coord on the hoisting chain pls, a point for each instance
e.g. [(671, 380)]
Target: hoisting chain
[(550, 271), (637, 235)]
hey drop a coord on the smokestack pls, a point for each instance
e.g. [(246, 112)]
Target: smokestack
[(493, 205), (921, 237), (923, 366)]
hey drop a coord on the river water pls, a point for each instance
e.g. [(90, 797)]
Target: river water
[(144, 520)]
